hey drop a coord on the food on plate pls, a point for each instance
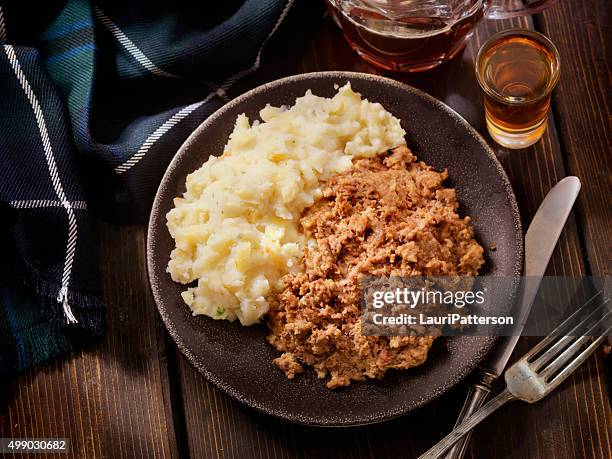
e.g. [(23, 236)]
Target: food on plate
[(236, 227), (388, 215), (296, 211)]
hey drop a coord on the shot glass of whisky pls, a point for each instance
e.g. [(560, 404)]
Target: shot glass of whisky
[(517, 70)]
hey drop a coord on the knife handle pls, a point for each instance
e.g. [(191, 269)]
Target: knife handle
[(478, 393)]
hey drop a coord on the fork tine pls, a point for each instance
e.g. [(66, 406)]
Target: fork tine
[(572, 319), (560, 329), (551, 353), (576, 330), (576, 362), (571, 351), (560, 345)]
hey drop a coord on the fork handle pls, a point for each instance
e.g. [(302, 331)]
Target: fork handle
[(478, 393), (468, 424)]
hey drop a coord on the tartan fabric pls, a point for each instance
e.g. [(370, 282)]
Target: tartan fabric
[(94, 101), (49, 288)]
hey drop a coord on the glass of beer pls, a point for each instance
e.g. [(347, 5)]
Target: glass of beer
[(517, 70)]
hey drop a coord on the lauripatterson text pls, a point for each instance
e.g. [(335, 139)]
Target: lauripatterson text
[(448, 319)]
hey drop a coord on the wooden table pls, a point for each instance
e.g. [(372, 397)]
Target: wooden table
[(134, 395)]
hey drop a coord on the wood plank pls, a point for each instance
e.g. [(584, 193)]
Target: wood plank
[(218, 427), (582, 31), (111, 400)]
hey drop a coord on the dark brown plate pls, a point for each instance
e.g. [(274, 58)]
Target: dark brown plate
[(238, 360)]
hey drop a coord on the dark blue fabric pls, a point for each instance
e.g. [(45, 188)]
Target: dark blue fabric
[(95, 99)]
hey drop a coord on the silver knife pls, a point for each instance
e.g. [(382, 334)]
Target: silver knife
[(540, 241)]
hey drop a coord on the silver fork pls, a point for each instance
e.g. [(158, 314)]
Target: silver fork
[(543, 368)]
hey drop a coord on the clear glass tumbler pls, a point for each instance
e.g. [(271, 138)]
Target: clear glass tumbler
[(517, 70)]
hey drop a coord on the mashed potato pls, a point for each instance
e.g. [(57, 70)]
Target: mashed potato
[(236, 227)]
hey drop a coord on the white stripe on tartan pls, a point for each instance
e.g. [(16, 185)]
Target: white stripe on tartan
[(182, 114), (232, 80), (159, 132), (2, 27), (40, 203), (135, 52), (55, 180), (129, 45)]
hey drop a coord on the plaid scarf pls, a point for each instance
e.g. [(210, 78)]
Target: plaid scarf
[(94, 102)]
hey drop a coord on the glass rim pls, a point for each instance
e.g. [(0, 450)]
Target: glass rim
[(519, 32)]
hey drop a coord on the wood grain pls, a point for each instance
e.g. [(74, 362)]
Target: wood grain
[(582, 30), (218, 427), (112, 400)]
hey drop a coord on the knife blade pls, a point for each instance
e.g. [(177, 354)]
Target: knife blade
[(540, 241)]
